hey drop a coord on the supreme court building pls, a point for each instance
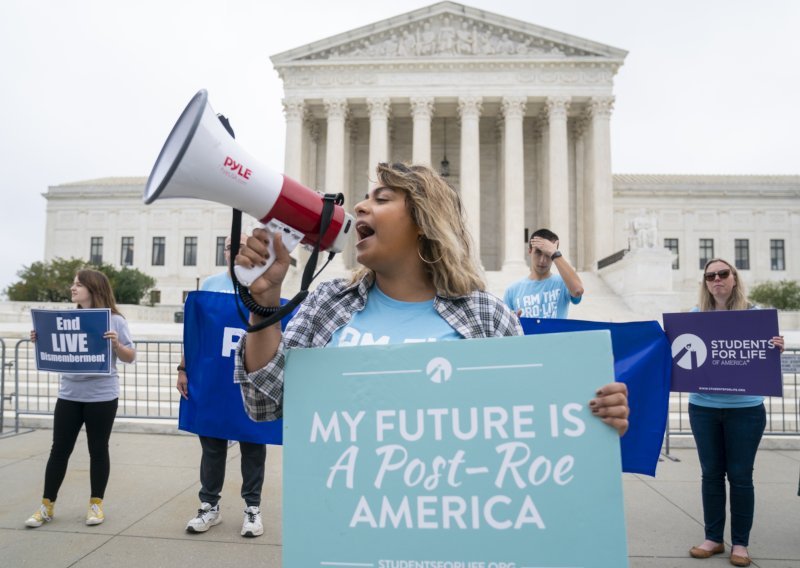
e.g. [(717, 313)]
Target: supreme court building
[(518, 116)]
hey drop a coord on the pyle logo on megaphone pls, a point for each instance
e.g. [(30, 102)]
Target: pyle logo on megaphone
[(188, 167), (237, 168)]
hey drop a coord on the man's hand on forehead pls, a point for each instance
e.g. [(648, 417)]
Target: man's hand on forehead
[(543, 245)]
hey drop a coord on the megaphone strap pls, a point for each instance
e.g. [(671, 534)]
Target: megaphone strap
[(273, 315)]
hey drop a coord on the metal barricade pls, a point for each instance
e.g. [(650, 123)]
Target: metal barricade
[(152, 374), (783, 413), (147, 386), (147, 389), (2, 385)]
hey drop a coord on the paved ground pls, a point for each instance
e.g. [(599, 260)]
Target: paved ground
[(153, 492)]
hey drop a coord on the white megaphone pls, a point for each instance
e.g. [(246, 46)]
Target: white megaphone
[(201, 160)]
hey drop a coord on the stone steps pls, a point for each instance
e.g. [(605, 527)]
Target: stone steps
[(601, 303)]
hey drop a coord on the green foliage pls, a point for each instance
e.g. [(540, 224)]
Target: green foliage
[(129, 284), (50, 282), (783, 295), (45, 281)]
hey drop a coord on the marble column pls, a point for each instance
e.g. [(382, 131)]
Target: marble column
[(293, 162), (542, 145), (469, 109), (422, 112), (578, 130), (513, 187), (295, 111), (336, 111), (537, 219), (310, 149), (351, 194), (311, 144), (379, 111), (494, 242), (557, 172), (601, 188)]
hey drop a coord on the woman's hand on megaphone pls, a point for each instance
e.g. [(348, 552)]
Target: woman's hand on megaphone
[(266, 289)]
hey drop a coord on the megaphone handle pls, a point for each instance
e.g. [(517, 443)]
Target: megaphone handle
[(290, 237), (247, 276)]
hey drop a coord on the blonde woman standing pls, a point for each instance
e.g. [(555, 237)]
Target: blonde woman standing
[(727, 430)]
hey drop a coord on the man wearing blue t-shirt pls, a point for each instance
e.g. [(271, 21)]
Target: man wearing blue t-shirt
[(543, 294)]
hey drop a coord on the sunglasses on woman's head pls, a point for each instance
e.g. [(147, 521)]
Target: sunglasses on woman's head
[(723, 274)]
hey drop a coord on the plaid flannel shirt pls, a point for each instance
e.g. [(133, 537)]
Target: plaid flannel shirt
[(330, 307)]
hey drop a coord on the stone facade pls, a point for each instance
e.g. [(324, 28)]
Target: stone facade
[(759, 209), (522, 115), (520, 112), (111, 210), (753, 221)]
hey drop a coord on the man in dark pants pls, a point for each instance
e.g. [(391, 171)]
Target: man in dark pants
[(212, 477), (215, 452)]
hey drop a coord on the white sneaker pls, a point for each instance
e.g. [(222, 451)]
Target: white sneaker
[(42, 516), (252, 525), (207, 517)]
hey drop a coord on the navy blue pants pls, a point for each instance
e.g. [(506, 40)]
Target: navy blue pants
[(212, 470), (727, 441)]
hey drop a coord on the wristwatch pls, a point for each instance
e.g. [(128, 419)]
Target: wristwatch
[(181, 368), (555, 255)]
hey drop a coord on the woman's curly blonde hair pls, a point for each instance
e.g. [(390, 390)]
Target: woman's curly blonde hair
[(445, 244)]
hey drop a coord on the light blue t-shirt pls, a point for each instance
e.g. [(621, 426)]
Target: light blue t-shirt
[(97, 388), (548, 298), (724, 400), (218, 283), (386, 321)]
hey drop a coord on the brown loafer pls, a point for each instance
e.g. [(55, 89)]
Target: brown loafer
[(697, 552), (737, 560)]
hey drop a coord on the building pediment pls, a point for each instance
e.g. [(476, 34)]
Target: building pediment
[(447, 30)]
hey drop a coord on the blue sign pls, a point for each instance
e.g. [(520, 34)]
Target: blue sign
[(473, 454), (642, 361), (211, 330), (725, 352), (71, 341)]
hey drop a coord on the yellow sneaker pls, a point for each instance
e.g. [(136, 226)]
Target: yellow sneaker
[(42, 516), (95, 516)]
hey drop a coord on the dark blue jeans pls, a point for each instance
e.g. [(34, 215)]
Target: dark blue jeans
[(727, 441)]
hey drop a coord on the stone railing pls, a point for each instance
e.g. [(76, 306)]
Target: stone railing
[(611, 259)]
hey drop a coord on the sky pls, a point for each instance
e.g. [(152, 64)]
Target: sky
[(91, 88)]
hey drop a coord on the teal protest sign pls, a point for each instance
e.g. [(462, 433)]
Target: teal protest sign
[(71, 341), (465, 454)]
